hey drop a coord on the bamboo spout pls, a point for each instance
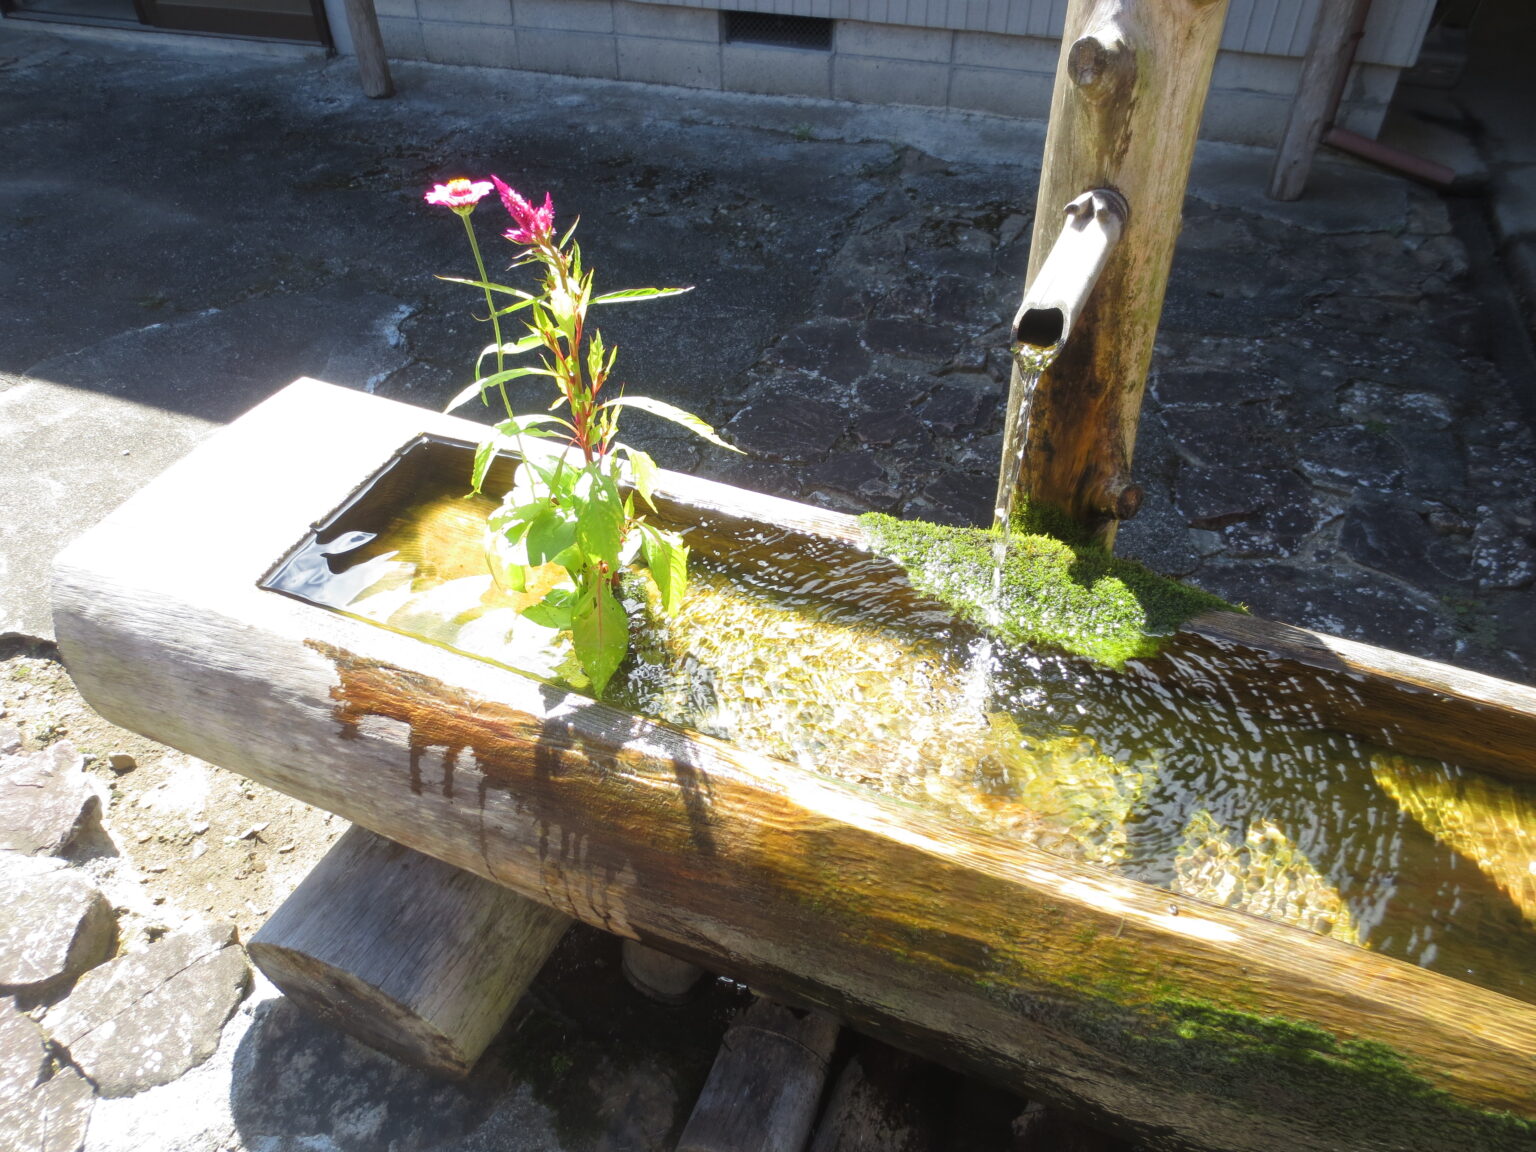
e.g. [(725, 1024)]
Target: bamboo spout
[(1055, 298)]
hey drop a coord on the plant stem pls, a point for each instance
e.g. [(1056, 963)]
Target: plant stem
[(474, 246)]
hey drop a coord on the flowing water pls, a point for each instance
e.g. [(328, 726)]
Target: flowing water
[(1414, 858), (1032, 361)]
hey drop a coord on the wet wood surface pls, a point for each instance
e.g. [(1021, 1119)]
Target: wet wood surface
[(1057, 979)]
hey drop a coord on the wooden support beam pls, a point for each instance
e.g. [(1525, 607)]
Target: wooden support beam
[(1324, 72), (762, 1092), (405, 953), (368, 45), (1124, 114)]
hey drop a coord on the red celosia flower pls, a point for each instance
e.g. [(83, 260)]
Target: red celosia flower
[(535, 225), (461, 195)]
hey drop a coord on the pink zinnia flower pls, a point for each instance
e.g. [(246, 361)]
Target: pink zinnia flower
[(534, 224), (461, 195)]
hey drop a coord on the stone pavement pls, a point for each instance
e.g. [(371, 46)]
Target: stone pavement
[(1327, 437)]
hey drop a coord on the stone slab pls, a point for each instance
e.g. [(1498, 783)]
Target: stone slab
[(44, 1110), (147, 1017), (54, 924), (46, 800)]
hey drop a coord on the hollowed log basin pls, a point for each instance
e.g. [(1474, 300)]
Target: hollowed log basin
[(1160, 1014)]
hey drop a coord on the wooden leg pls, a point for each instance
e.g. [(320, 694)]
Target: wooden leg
[(886, 1100), (762, 1092), (405, 953), (657, 975)]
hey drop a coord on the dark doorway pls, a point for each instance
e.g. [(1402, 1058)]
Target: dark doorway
[(298, 20)]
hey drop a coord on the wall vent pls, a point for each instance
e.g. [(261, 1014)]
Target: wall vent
[(811, 32)]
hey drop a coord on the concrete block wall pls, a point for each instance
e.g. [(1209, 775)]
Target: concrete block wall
[(869, 62)]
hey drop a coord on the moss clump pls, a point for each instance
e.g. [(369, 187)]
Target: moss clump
[(1071, 596)]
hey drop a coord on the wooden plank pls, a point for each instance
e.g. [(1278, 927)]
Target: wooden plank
[(1214, 1029), (1125, 110), (1335, 36), (408, 955)]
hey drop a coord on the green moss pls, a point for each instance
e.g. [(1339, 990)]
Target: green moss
[(1070, 596), (1274, 1061)]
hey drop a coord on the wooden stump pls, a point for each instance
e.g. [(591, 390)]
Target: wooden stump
[(885, 1100), (658, 975), (405, 953), (762, 1092)]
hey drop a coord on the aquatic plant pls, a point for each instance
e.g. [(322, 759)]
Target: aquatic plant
[(569, 526)]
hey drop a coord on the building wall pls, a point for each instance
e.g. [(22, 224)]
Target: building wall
[(994, 56)]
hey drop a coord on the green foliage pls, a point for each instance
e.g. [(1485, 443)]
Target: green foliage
[(1073, 597), (566, 530)]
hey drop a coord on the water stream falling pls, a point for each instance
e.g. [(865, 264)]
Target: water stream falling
[(1032, 361)]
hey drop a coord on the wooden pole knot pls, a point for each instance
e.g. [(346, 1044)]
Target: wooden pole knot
[(1118, 498), (1102, 62)]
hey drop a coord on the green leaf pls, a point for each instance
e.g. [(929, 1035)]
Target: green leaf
[(667, 557), (554, 611), (518, 292), (628, 294), (551, 537), (643, 471), (485, 452), (595, 356), (599, 631), (670, 412), (530, 425), (480, 386), (600, 521), (509, 518), (526, 344), (510, 308)]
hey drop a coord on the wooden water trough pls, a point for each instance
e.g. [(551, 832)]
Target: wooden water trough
[(1187, 1025)]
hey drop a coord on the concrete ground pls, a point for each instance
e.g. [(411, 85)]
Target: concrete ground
[(1332, 434)]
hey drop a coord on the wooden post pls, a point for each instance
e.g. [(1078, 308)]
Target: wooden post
[(655, 974), (1335, 35), (1043, 1129), (886, 1100), (372, 67), (1129, 91), (405, 953), (762, 1092)]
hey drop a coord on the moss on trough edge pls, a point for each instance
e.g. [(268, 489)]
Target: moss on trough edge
[(1074, 597), (1270, 1061)]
